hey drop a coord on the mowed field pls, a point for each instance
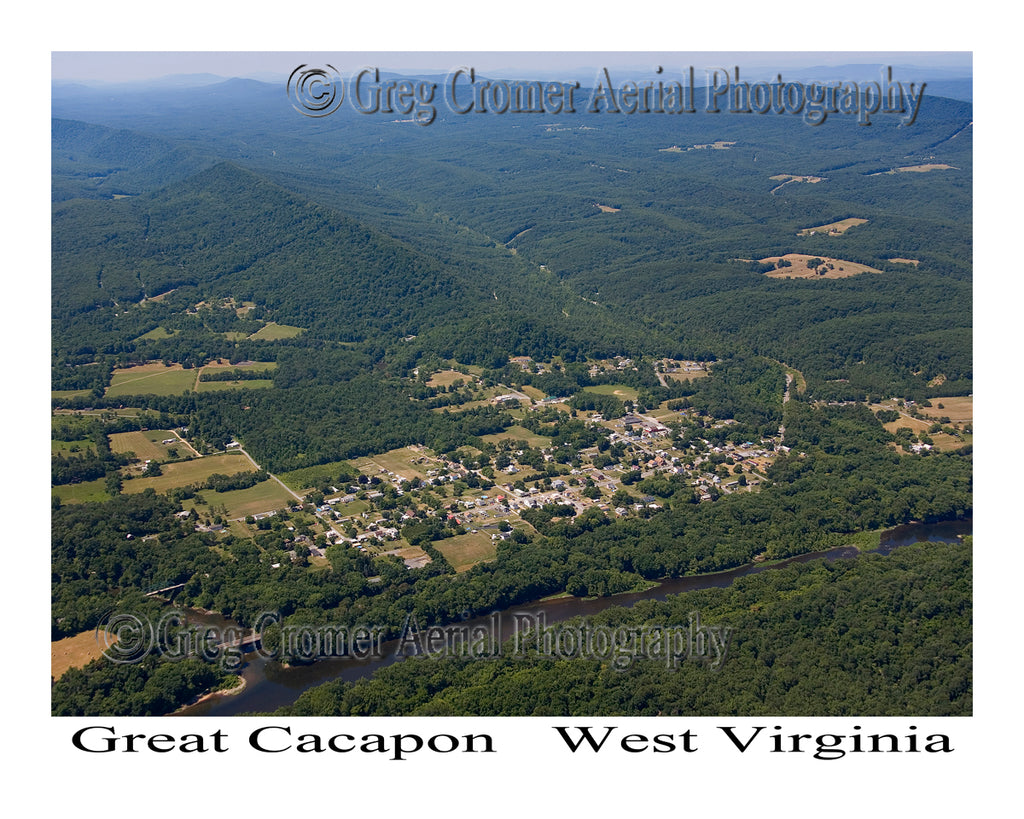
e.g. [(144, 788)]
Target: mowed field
[(77, 651), (400, 461), (273, 332), (151, 379), (83, 492), (197, 470), (465, 551), (959, 409), (265, 496), (618, 390), (446, 378), (146, 445), (686, 375), (833, 228), (800, 270), (518, 433)]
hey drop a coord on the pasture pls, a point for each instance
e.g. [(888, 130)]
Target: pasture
[(274, 331), (78, 651), (833, 228), (402, 462), (265, 496), (147, 445), (518, 433), (799, 270), (196, 471), (151, 379)]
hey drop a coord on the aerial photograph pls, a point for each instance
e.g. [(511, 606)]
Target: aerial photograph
[(513, 384)]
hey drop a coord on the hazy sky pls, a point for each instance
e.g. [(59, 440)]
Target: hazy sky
[(122, 66)]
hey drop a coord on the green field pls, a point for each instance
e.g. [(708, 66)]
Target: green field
[(263, 497), (146, 445), (62, 394), (82, 492), (273, 332), (399, 461), (195, 471), (74, 447), (465, 551), (151, 379), (253, 384), (618, 390), (157, 334), (519, 433), (311, 477)]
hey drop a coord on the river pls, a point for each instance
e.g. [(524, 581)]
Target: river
[(269, 685)]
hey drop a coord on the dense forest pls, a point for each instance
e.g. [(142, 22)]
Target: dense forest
[(809, 639)]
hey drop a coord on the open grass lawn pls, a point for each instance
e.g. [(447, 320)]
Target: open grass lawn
[(266, 496), (273, 332), (195, 471), (77, 651), (465, 551), (519, 433), (151, 379), (618, 390), (146, 445), (82, 492)]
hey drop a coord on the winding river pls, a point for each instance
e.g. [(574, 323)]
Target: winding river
[(269, 685)]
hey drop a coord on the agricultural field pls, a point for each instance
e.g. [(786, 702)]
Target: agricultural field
[(63, 394), (151, 379), (446, 378), (959, 409), (157, 334), (799, 269), (265, 496), (186, 473), (518, 433), (931, 166), (71, 446), (147, 445), (274, 332), (83, 492), (465, 551), (77, 651), (833, 228), (248, 384), (407, 462)]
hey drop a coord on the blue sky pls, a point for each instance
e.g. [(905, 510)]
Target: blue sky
[(122, 66)]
